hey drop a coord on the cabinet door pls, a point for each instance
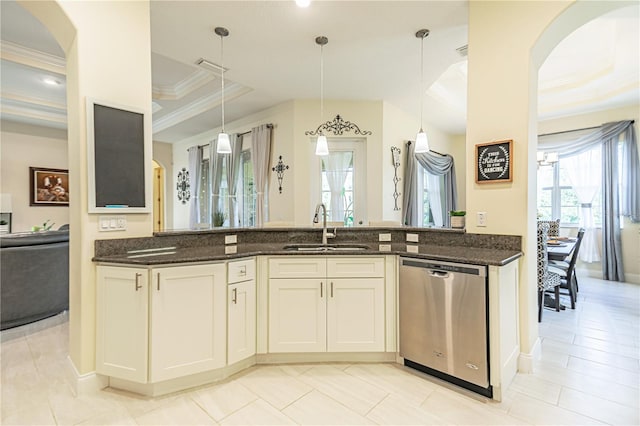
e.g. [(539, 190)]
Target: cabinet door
[(188, 320), (122, 322), (241, 326), (297, 315), (355, 315)]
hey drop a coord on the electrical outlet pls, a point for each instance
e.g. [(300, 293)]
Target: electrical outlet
[(230, 239), (412, 238), (384, 237), (481, 218)]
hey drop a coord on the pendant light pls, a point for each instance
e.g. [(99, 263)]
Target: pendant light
[(422, 144), (223, 146), (322, 148)]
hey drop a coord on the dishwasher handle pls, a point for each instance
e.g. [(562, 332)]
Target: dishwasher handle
[(439, 274)]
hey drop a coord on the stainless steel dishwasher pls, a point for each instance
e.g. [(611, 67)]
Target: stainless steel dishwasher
[(443, 321)]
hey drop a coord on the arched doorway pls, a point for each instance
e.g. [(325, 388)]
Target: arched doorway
[(158, 197)]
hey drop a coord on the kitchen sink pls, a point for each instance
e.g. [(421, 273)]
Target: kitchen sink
[(328, 247)]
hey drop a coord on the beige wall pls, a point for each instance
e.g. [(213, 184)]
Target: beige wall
[(24, 146), (508, 41), (630, 234), (114, 66)]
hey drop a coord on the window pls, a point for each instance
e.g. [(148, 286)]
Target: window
[(339, 179), (243, 214), (430, 189), (559, 197)]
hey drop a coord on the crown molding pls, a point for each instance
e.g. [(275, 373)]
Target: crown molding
[(34, 58), (200, 105), (182, 88), (29, 113)]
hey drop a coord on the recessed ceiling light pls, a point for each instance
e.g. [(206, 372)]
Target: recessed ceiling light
[(52, 81), (303, 3)]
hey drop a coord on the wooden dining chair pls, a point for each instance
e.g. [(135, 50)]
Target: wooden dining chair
[(547, 280), (568, 279)]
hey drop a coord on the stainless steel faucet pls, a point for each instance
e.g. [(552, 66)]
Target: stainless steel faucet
[(325, 234)]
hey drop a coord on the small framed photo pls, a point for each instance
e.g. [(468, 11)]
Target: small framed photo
[(494, 162), (48, 187)]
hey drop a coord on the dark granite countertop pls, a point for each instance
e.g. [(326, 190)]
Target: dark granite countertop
[(452, 253)]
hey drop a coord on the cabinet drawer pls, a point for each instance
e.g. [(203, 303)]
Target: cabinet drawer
[(355, 267), (297, 267), (241, 270)]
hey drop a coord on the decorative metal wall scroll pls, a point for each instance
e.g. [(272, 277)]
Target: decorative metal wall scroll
[(337, 127), (183, 187), (395, 155), (279, 169)]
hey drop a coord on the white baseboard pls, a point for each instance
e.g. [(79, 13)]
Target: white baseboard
[(525, 360), (83, 384)]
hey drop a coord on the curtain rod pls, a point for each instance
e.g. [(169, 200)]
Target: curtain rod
[(575, 130), (239, 134), (435, 152)]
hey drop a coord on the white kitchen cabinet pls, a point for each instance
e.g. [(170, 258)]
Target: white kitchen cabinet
[(319, 304), (160, 324), (355, 315), (297, 315), (241, 310), (122, 322), (188, 320)]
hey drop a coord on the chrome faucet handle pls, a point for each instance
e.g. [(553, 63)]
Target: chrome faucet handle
[(332, 234)]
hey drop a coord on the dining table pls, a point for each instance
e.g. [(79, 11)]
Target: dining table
[(560, 249)]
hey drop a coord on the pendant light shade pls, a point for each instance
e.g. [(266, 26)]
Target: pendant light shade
[(422, 143), (322, 148), (223, 146)]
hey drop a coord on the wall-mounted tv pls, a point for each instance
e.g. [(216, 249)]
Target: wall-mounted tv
[(116, 158)]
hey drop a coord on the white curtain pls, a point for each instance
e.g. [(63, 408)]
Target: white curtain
[(585, 173), (233, 169), (260, 157), (215, 179), (336, 170), (435, 199), (195, 160)]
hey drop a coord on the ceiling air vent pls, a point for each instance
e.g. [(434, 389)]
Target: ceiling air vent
[(210, 66), (462, 50)]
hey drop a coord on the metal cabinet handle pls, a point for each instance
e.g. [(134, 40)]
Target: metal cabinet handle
[(331, 288), (320, 289), (234, 297), (243, 270), (138, 285), (158, 281)]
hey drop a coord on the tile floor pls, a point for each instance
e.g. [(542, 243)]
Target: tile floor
[(588, 374)]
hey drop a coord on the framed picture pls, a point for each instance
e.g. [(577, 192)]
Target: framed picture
[(494, 162), (48, 187)]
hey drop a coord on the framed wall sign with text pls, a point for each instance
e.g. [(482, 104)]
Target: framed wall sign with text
[(494, 162)]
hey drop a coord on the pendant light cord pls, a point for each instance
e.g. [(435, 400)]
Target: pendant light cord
[(222, 74), (321, 83), (421, 80)]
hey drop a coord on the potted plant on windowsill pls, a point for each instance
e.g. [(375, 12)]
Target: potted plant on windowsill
[(218, 218), (457, 218)]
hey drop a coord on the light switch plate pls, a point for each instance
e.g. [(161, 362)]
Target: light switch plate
[(112, 223), (230, 249), (412, 238), (230, 239), (384, 247), (412, 249)]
